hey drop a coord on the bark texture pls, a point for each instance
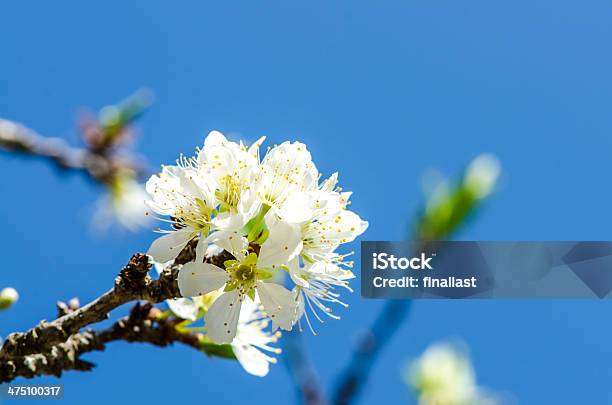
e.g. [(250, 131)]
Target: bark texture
[(52, 347), (144, 324)]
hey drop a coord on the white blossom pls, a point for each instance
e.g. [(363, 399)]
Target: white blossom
[(233, 167), (273, 216), (253, 338), (187, 197), (286, 175), (124, 204), (8, 296), (242, 279), (482, 173), (443, 375), (320, 268)]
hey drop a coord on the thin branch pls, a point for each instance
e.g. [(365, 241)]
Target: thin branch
[(437, 223), (132, 283), (354, 378), (388, 321), (144, 324), (301, 371), (99, 165)]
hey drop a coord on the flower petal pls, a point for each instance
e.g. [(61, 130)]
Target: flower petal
[(296, 208), (214, 138), (198, 185), (200, 278), (279, 304), (299, 297), (228, 221), (283, 244), (185, 308), (167, 247), (222, 317), (200, 250), (252, 360), (232, 241), (254, 148)]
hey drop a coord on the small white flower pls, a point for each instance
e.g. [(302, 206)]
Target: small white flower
[(187, 197), (243, 279), (8, 296), (331, 225), (315, 286), (233, 168), (286, 176), (443, 375), (252, 339), (124, 204), (482, 173)]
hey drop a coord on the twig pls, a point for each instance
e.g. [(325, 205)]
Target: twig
[(388, 321), (300, 369), (132, 283), (353, 379), (98, 165), (143, 324)]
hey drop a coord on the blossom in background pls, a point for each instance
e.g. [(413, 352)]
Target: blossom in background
[(450, 203), (444, 375), (123, 204), (272, 215), (8, 296), (481, 174)]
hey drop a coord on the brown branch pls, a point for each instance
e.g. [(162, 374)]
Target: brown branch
[(99, 165), (51, 347), (133, 283), (144, 324)]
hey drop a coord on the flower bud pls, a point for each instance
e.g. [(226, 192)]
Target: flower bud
[(8, 297), (481, 175)]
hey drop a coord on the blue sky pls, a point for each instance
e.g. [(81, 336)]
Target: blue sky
[(380, 91)]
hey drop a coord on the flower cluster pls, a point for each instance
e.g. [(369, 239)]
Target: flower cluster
[(275, 217)]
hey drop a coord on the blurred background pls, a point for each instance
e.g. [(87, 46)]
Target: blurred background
[(379, 91)]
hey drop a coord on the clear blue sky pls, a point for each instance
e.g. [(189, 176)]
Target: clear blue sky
[(380, 91)]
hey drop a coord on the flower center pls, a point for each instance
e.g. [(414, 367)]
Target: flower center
[(243, 277), (229, 192), (244, 273)]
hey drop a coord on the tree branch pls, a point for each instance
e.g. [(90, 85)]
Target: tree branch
[(132, 283), (300, 370), (98, 165), (144, 324), (353, 379)]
